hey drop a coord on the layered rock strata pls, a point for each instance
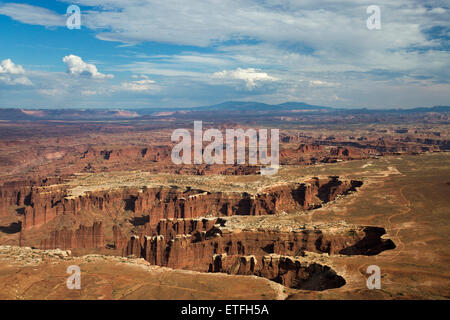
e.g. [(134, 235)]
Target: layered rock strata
[(206, 245), (83, 237), (173, 202)]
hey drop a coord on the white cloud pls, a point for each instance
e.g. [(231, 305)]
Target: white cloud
[(76, 66), (251, 76), (139, 76), (438, 10), (329, 24), (15, 80), (23, 81), (88, 92), (320, 83), (288, 40), (32, 15), (49, 92), (12, 74), (139, 85), (299, 36), (9, 67)]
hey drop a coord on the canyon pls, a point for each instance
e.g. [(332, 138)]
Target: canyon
[(108, 193), (47, 199), (182, 227), (209, 246)]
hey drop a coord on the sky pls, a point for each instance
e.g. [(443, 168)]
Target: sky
[(178, 53)]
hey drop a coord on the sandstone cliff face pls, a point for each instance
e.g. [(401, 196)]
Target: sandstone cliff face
[(204, 245), (13, 195), (152, 153), (164, 202), (173, 235), (289, 271), (348, 153), (190, 244), (47, 203), (119, 240), (308, 148), (83, 237), (19, 193)]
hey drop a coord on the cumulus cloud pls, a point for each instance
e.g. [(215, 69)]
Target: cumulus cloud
[(12, 74), (290, 40), (250, 76), (9, 67), (76, 66)]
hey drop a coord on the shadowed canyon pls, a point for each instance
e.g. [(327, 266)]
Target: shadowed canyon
[(106, 196)]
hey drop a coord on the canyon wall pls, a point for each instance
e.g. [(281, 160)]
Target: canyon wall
[(205, 245), (289, 271), (19, 193), (83, 237), (190, 243), (171, 202), (171, 229)]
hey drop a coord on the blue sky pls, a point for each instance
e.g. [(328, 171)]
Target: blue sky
[(175, 53)]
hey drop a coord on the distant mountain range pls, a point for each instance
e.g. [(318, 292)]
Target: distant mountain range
[(258, 106), (229, 106)]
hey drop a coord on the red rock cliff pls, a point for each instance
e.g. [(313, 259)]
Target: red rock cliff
[(164, 202), (83, 237)]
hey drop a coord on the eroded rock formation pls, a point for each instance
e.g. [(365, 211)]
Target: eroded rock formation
[(205, 245), (170, 228), (19, 193), (83, 237), (291, 272), (165, 202)]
